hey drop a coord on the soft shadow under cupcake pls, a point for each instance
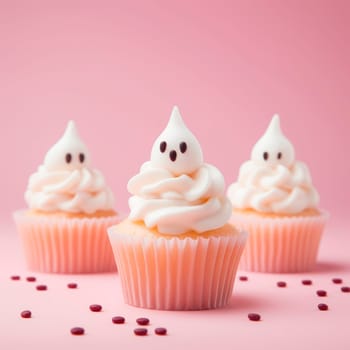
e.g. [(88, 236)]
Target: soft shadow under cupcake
[(331, 266)]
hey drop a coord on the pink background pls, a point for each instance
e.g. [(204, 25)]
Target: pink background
[(117, 69)]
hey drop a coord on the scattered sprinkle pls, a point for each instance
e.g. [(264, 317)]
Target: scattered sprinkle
[(77, 331), (345, 289), (243, 278), (160, 331), (15, 278), (306, 282), (323, 307), (142, 321), (26, 314), (118, 319), (140, 331), (95, 307), (72, 285), (31, 279), (254, 317), (41, 287), (321, 293), (281, 284), (337, 280)]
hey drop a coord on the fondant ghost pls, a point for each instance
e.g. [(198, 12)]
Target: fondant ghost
[(69, 153), (177, 149), (273, 148), (176, 191)]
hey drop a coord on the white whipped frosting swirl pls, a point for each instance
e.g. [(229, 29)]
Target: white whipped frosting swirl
[(175, 191), (65, 181), (272, 181)]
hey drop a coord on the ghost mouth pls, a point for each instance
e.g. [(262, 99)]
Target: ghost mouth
[(172, 155)]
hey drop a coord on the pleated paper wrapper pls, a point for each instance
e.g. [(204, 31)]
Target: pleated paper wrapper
[(176, 274), (280, 245), (56, 244)]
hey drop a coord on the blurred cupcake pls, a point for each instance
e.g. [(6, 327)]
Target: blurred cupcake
[(176, 250), (275, 201), (70, 207)]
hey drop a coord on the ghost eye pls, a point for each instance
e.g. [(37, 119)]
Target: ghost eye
[(279, 155), (81, 157), (68, 158), (265, 156), (183, 147), (162, 146)]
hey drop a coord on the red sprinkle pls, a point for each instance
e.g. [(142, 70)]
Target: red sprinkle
[(281, 284), (41, 287), (118, 319), (160, 331), (77, 331), (321, 293), (306, 282), (95, 307), (31, 279), (15, 278), (337, 280), (323, 307), (26, 314), (72, 285), (243, 278), (142, 321), (140, 331), (254, 317), (345, 289)]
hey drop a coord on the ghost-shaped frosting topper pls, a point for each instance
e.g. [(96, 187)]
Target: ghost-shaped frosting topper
[(69, 153), (176, 149), (273, 148)]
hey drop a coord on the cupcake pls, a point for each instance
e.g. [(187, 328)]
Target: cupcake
[(275, 201), (176, 250), (64, 230)]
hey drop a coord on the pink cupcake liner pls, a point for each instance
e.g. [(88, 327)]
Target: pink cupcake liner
[(66, 245), (176, 274), (279, 245)]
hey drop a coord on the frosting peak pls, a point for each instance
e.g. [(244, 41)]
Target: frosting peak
[(69, 152), (175, 191), (65, 182), (176, 149), (273, 148), (273, 181)]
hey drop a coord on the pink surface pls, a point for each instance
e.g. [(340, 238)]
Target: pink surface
[(290, 317), (118, 68)]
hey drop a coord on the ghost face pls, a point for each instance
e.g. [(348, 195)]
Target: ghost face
[(274, 148), (69, 153), (176, 149), (273, 153)]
